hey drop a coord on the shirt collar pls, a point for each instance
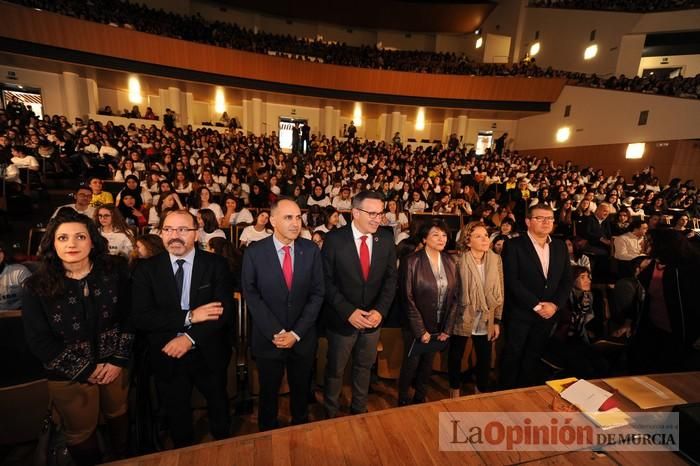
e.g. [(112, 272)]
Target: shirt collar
[(189, 257), (357, 234), (279, 244), (534, 240)]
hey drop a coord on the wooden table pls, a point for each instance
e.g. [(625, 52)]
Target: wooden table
[(409, 436)]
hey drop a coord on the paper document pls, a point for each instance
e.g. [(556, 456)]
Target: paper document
[(586, 396), (645, 392)]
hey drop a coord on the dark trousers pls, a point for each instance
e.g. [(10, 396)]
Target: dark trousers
[(270, 373), (526, 340), (415, 370), (482, 346), (176, 388), (362, 346)]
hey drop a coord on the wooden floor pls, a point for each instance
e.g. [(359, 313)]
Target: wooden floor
[(407, 435)]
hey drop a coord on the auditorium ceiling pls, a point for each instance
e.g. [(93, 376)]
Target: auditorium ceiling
[(113, 79)]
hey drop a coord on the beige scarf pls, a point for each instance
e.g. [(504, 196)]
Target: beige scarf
[(486, 297)]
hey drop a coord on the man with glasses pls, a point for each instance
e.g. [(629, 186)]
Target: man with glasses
[(538, 281), (360, 274), (183, 300), (83, 196)]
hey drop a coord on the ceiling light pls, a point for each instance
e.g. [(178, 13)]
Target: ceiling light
[(590, 52), (563, 134), (635, 150), (534, 49)]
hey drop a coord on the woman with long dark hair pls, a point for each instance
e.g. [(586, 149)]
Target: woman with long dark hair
[(75, 313)]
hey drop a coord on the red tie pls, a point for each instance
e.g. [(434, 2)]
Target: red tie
[(287, 267), (364, 257)]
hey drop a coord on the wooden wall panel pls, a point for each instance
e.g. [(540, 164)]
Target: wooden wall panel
[(670, 158), (47, 28)]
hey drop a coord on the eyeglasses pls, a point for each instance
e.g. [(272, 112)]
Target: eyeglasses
[(178, 230), (543, 219), (371, 215), (104, 215)]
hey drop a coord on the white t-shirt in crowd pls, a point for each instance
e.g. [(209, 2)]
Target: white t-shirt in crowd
[(11, 279), (90, 211), (242, 216), (204, 237), (119, 243), (250, 234), (214, 207)]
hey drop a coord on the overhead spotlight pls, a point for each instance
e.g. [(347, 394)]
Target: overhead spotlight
[(534, 49), (635, 150), (477, 32), (563, 134), (590, 52), (479, 42)]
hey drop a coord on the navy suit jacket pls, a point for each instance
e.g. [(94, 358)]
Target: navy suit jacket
[(272, 306), (525, 282), (157, 312)]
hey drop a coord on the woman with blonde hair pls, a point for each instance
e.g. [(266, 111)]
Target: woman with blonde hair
[(480, 306)]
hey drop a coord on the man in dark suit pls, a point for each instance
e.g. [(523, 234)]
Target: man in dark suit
[(183, 301), (538, 281), (360, 269), (282, 282)]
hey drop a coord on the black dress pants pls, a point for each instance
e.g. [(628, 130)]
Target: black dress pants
[(270, 373), (176, 388), (526, 340)]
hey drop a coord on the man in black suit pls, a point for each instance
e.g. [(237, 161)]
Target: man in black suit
[(282, 283), (360, 269), (538, 281), (183, 301)]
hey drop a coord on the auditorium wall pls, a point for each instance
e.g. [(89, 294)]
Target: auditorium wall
[(601, 116), (49, 83), (670, 158), (689, 64), (563, 40)]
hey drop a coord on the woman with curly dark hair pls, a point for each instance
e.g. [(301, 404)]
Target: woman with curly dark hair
[(75, 312)]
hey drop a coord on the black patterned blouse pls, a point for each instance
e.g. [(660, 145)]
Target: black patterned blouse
[(87, 325)]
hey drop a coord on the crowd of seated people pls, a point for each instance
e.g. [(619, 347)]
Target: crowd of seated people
[(442, 207), (630, 6), (197, 29)]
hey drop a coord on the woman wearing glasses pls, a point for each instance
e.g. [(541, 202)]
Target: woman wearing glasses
[(114, 229), (80, 296)]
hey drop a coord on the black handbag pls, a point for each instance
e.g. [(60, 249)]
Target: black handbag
[(51, 448)]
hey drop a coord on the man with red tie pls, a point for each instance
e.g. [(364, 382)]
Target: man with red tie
[(282, 282), (359, 262)]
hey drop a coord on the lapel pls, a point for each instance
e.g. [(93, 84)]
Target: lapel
[(197, 275), (375, 265), (351, 249), (533, 253), (299, 263), (168, 278), (272, 258)]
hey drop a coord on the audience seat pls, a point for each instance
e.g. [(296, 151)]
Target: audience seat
[(390, 357), (33, 240), (23, 407)]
